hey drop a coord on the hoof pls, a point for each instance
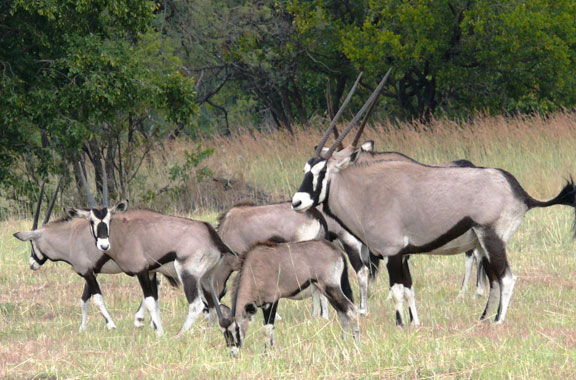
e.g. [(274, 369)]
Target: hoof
[(139, 322), (111, 326)]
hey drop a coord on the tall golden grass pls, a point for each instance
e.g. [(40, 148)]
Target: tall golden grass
[(40, 313)]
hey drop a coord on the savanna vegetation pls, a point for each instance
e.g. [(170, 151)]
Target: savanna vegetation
[(195, 105), (40, 313)]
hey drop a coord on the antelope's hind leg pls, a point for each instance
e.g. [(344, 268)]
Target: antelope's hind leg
[(347, 311), (502, 280)]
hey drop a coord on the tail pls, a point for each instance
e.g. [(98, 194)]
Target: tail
[(172, 280), (374, 266), (345, 282), (566, 197)]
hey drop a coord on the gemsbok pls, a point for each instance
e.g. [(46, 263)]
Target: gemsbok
[(398, 267), (400, 208), (272, 271), (245, 224), (52, 242), (140, 242)]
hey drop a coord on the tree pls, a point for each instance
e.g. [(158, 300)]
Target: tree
[(85, 76), (457, 55)]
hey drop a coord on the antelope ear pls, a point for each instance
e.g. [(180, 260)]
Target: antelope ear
[(323, 151), (28, 235), (120, 207), (249, 310), (368, 146), (77, 213), (345, 162)]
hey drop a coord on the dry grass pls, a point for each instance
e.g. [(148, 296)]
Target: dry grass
[(40, 314)]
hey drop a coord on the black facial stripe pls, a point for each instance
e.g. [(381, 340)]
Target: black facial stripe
[(100, 213), (40, 261), (307, 185), (102, 231)]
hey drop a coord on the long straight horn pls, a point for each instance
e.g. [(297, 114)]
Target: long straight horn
[(52, 202), (37, 214), (336, 135), (336, 117), (361, 128), (85, 184), (369, 103), (104, 185)]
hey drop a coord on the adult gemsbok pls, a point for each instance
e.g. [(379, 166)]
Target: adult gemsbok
[(53, 242), (140, 242), (398, 208)]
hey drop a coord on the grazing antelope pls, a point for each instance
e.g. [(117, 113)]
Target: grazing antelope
[(399, 208), (272, 271), (245, 224)]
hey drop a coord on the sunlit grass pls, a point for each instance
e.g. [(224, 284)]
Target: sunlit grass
[(40, 313)]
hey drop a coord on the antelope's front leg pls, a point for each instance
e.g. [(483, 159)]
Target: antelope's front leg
[(92, 289), (151, 301)]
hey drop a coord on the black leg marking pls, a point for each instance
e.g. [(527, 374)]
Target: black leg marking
[(399, 319), (396, 270), (190, 284), (270, 313), (147, 289), (354, 257), (337, 299), (87, 293)]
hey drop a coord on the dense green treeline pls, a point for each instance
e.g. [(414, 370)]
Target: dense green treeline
[(109, 78)]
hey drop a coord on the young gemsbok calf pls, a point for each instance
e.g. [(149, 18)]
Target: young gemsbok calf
[(245, 224), (272, 271), (402, 208)]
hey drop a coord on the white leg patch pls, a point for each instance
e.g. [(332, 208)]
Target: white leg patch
[(99, 302), (152, 307), (194, 310), (140, 315), (410, 298), (507, 288), (397, 292), (84, 306), (269, 329), (363, 275)]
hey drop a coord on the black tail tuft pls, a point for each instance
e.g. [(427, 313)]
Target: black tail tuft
[(566, 197), (374, 266), (345, 282)]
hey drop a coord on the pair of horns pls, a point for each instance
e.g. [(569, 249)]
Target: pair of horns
[(368, 106), (50, 206), (87, 189)]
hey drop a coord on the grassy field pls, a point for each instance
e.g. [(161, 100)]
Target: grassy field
[(40, 313)]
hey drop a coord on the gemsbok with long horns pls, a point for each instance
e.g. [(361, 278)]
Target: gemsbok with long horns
[(272, 271), (398, 267), (401, 208), (88, 261), (138, 242)]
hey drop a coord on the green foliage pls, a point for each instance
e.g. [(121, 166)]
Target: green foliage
[(182, 173), (81, 74), (458, 55)]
